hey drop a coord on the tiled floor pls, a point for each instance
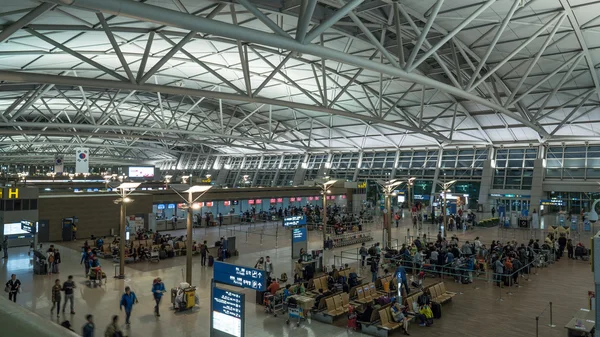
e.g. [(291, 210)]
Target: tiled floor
[(476, 310)]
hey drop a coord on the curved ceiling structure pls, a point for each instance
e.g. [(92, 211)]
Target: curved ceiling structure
[(150, 80)]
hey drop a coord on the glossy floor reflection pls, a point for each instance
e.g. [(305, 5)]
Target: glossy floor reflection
[(478, 307)]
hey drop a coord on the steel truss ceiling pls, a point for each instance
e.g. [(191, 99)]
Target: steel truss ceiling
[(153, 80)]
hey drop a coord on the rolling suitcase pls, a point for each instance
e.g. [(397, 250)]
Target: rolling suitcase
[(211, 260), (436, 308)]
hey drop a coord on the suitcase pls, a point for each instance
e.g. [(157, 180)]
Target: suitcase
[(436, 308), (211, 260), (173, 294), (162, 254)]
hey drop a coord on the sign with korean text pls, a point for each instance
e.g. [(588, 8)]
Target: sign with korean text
[(227, 313), (296, 220), (240, 276)]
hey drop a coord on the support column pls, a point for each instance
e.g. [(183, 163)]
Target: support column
[(360, 157), (436, 175), (122, 235), (395, 167), (255, 178), (487, 179), (537, 188), (300, 172), (189, 243), (276, 178), (237, 175)]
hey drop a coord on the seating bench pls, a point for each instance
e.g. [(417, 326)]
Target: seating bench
[(335, 306), (386, 320), (439, 293)]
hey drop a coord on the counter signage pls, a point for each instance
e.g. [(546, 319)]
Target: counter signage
[(239, 276), (236, 202), (171, 206), (227, 314), (279, 200), (250, 202), (258, 201), (160, 206), (273, 200), (299, 234), (296, 220), (553, 202), (227, 203)]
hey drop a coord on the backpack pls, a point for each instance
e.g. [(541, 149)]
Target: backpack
[(363, 251), (372, 251), (423, 299), (51, 258)]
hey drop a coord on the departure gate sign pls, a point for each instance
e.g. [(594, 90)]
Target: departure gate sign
[(240, 276), (227, 313)]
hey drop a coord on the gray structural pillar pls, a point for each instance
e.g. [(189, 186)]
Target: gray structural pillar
[(537, 188), (301, 171), (487, 178)]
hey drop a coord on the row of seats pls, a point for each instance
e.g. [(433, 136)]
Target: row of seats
[(384, 283), (386, 319), (366, 293), (318, 283), (337, 304), (438, 293)]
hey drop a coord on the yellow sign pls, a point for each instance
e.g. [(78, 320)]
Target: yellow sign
[(362, 184), (13, 193), (206, 181)]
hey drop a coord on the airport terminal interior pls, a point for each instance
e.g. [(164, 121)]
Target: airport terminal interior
[(299, 168)]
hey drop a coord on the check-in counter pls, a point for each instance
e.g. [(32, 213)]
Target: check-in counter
[(231, 219), (167, 225)]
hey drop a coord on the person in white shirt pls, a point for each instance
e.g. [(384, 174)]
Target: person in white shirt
[(269, 266)]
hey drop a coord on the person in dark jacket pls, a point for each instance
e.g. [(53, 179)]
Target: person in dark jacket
[(13, 285), (89, 327), (562, 243), (158, 289)]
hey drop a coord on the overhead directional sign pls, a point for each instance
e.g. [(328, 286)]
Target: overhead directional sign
[(296, 220), (240, 276)]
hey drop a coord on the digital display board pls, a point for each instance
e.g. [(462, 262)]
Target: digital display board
[(239, 276), (227, 311), (28, 227), (171, 206), (296, 220), (15, 229), (160, 206), (141, 172), (299, 234)]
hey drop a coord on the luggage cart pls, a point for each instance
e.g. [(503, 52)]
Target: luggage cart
[(154, 255), (273, 304), (95, 277), (295, 313)]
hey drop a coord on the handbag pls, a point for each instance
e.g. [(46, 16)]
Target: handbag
[(6, 289)]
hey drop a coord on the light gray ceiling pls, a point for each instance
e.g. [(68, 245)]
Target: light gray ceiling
[(152, 80)]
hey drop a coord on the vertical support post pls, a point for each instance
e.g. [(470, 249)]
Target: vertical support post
[(388, 215), (122, 239), (324, 197), (537, 326), (188, 244), (551, 324)]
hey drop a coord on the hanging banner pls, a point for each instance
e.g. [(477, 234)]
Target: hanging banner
[(82, 160), (59, 163)]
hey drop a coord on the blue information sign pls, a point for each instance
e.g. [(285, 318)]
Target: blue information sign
[(297, 220), (239, 276), (299, 234), (227, 314)]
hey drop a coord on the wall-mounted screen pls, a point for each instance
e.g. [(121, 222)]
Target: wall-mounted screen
[(15, 229), (141, 172)]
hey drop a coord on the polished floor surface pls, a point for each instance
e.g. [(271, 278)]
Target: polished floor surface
[(479, 310)]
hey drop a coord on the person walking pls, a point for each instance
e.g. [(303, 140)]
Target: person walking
[(220, 219), (85, 260), (5, 247), (56, 288), (56, 261), (51, 259), (570, 249), (158, 289), (89, 327), (13, 286), (68, 288), (364, 252), (128, 300), (269, 266), (113, 329), (203, 253), (493, 211)]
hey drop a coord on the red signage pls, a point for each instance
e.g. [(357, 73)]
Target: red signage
[(279, 200), (317, 198), (273, 200), (209, 204), (310, 198), (292, 199), (343, 196), (181, 205), (298, 199), (227, 203), (258, 201), (250, 202)]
